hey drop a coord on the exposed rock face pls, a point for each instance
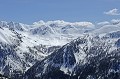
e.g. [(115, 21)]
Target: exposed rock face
[(84, 58)]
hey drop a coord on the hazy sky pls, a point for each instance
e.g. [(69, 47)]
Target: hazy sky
[(29, 11)]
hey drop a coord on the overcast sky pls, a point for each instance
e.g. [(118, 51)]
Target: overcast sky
[(29, 11)]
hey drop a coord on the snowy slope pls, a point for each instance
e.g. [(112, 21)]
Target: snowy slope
[(107, 29), (84, 55), (52, 33), (18, 51), (6, 36), (22, 45), (60, 32), (87, 52)]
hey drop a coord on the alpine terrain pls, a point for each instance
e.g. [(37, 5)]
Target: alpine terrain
[(60, 50)]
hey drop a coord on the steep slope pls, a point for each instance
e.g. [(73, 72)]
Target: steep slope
[(64, 59), (18, 53), (88, 57)]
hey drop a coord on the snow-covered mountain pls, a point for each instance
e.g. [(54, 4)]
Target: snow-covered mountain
[(88, 57), (54, 31), (22, 45), (62, 31), (95, 55), (16, 55)]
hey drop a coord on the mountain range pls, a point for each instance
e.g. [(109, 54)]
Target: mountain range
[(60, 50)]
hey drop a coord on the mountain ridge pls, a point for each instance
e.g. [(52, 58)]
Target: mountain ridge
[(22, 45)]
